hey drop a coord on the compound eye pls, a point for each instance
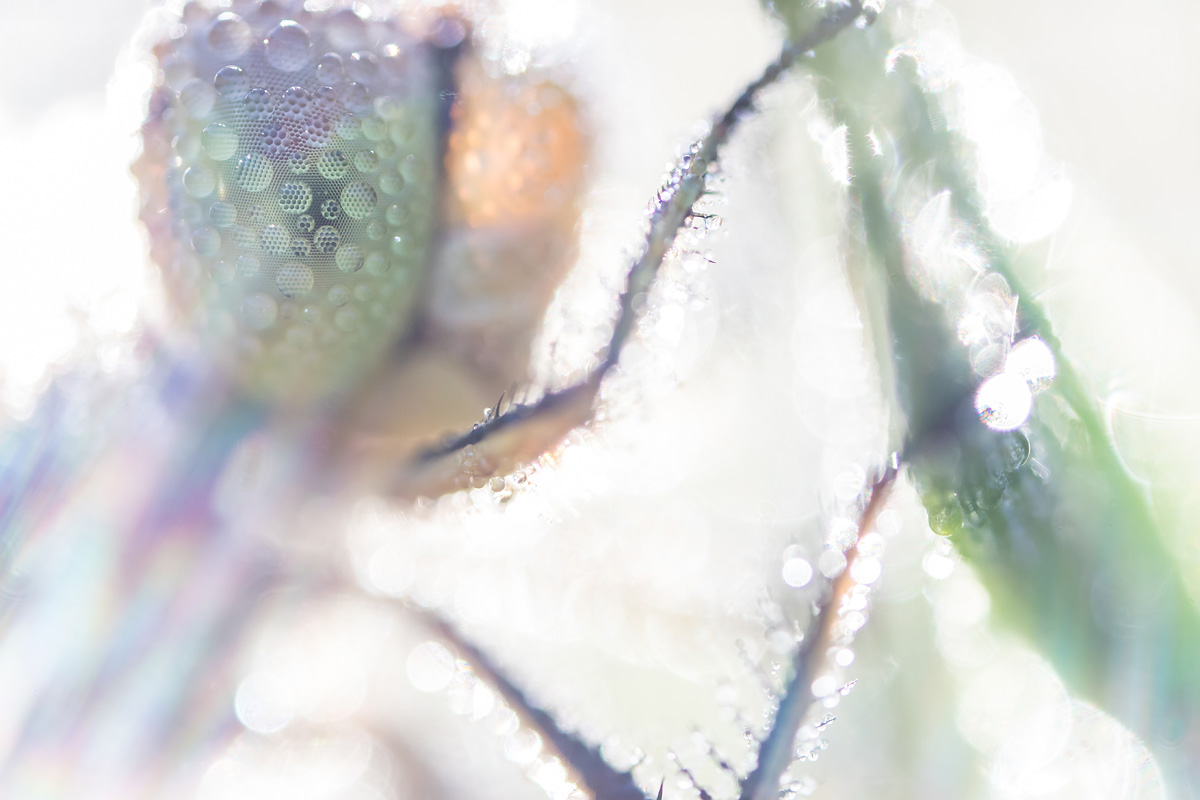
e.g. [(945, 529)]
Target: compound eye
[(287, 185)]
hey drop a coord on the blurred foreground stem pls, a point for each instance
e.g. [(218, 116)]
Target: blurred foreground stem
[(1062, 537)]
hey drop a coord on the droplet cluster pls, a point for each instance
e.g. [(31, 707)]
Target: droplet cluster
[(271, 186)]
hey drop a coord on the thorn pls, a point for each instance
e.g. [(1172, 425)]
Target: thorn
[(661, 784)]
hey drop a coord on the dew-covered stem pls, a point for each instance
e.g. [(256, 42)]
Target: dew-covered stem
[(1065, 541), (777, 750), (675, 202), (602, 781)]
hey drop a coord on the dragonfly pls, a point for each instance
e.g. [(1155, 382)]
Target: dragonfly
[(223, 470)]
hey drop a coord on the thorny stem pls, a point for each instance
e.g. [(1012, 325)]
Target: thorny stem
[(1048, 549), (775, 753), (687, 185), (601, 780), (969, 208), (674, 205)]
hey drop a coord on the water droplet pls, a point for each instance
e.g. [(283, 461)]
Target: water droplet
[(295, 102), (248, 266), (294, 280), (377, 263), (522, 746), (366, 161), (1033, 361), (330, 209), (219, 141), (937, 566), (349, 258), (177, 68), (222, 272), (257, 104), (391, 183), (263, 703), (357, 98), (871, 545), (1004, 402), (348, 127), (396, 214), (230, 36), (417, 170), (295, 197), (843, 532), (305, 223), (274, 239), (288, 46), (831, 563), (254, 172), (358, 200), (851, 623), (1010, 453), (206, 242), (988, 359), (330, 71), (298, 162), (374, 128), (199, 181), (338, 295), (243, 237), (346, 30), (430, 667), (231, 81), (947, 518), (260, 311), (797, 572), (824, 686), (865, 570), (363, 67), (333, 165), (222, 214), (197, 98), (326, 239)]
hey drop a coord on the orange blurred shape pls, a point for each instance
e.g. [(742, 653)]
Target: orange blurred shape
[(515, 154)]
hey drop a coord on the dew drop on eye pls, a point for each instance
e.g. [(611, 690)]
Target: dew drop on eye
[(288, 47), (295, 197), (230, 36), (358, 200), (199, 181), (330, 70), (198, 98), (294, 280), (230, 81), (260, 311), (219, 141), (254, 172)]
